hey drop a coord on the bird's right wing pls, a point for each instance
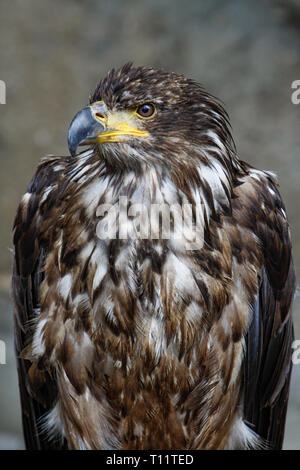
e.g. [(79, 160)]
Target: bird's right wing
[(36, 382)]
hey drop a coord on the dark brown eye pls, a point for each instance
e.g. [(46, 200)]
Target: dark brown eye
[(146, 110)]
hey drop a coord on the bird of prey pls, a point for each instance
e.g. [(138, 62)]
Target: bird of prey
[(149, 342)]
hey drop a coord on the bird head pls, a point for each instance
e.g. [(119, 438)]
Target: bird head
[(144, 115)]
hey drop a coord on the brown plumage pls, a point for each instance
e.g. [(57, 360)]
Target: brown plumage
[(140, 343)]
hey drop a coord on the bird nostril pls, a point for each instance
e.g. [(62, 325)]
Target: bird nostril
[(100, 116)]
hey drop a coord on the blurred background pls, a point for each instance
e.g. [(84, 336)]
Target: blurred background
[(52, 54)]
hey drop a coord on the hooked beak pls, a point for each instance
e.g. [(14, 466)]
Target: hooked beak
[(94, 124), (85, 126)]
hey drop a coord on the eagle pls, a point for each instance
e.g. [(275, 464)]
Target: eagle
[(127, 339)]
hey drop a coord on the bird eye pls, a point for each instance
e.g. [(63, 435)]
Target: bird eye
[(146, 110)]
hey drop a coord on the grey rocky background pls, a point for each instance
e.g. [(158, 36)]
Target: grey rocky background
[(52, 53)]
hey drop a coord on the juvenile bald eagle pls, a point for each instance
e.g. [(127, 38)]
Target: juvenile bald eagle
[(131, 342)]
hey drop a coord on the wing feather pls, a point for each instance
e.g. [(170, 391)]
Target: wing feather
[(268, 363), (37, 390)]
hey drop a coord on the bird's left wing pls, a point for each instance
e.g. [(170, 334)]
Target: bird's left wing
[(36, 382), (268, 362)]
